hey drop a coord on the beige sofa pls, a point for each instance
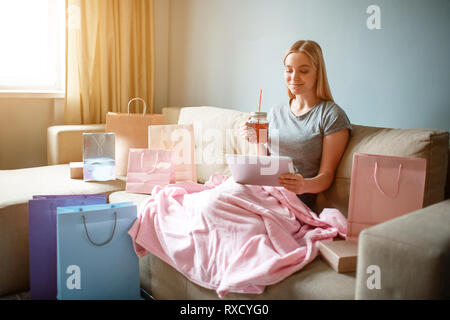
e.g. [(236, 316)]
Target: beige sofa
[(412, 251)]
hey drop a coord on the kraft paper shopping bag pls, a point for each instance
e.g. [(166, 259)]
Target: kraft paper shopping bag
[(179, 139), (148, 168), (42, 239), (96, 259), (131, 132)]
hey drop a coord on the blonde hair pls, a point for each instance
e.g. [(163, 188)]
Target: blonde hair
[(314, 52)]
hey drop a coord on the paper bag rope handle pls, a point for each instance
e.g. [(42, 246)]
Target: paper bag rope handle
[(375, 174), (53, 209), (135, 99), (163, 142), (99, 144), (154, 166), (107, 241)]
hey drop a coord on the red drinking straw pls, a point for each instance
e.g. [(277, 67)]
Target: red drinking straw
[(259, 105)]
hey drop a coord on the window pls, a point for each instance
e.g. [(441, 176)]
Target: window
[(32, 45)]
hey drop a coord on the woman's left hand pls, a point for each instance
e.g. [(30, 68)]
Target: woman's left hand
[(292, 182)]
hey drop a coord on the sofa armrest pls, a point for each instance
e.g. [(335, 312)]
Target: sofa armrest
[(64, 143), (411, 255)]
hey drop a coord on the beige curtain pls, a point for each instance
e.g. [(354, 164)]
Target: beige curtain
[(109, 57)]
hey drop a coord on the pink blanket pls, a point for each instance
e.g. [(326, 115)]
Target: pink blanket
[(231, 237)]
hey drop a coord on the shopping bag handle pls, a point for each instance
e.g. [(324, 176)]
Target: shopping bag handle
[(375, 177), (154, 166), (107, 241), (135, 99), (163, 142), (99, 144)]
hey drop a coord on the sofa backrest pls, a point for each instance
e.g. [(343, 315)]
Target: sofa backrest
[(433, 145)]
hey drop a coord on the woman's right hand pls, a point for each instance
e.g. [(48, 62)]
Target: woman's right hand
[(244, 132)]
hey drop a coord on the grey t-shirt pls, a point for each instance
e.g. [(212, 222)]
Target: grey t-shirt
[(301, 137)]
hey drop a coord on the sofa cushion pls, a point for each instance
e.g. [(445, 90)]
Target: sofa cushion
[(122, 196), (316, 280), (216, 133), (19, 186), (16, 188), (421, 143)]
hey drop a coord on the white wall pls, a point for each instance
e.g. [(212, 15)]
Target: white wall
[(23, 130)]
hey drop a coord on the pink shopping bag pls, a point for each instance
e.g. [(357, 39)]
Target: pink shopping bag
[(180, 139), (383, 188), (148, 168)]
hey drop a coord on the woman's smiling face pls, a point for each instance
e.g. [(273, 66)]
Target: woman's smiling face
[(300, 74)]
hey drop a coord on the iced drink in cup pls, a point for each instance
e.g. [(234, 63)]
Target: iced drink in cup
[(258, 127)]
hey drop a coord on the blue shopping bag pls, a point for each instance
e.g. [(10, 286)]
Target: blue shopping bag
[(95, 258)]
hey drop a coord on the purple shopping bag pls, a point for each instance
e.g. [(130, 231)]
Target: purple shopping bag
[(42, 239)]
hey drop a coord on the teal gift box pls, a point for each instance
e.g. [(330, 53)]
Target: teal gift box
[(95, 254)]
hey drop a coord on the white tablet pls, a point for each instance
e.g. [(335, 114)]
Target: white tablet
[(258, 170)]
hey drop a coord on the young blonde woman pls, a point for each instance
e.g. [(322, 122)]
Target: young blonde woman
[(240, 238), (311, 128)]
